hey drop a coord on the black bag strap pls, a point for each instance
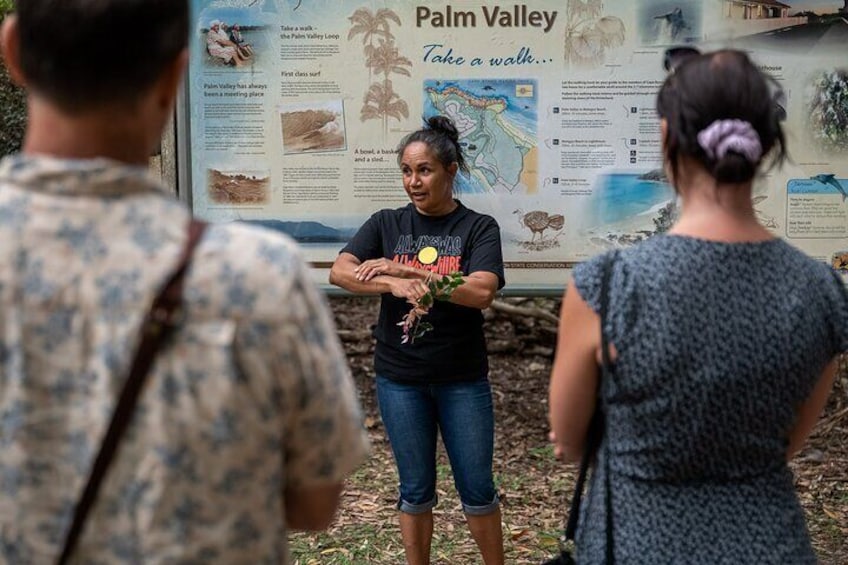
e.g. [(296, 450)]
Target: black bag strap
[(607, 375), (596, 428), (162, 319)]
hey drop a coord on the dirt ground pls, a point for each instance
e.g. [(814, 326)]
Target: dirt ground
[(533, 485)]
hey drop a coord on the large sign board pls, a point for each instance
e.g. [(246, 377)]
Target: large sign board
[(296, 126)]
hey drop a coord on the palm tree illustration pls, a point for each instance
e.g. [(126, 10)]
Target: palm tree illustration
[(382, 58), (371, 24), (381, 103), (386, 60), (589, 34)]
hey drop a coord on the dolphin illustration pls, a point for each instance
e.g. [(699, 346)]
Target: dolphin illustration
[(831, 180)]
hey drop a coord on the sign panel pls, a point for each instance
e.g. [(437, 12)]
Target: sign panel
[(295, 109)]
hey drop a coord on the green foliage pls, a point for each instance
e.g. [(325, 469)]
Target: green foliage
[(666, 217), (12, 114), (829, 116), (12, 102), (442, 289), (354, 544)]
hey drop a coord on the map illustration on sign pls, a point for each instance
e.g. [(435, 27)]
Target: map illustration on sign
[(497, 121)]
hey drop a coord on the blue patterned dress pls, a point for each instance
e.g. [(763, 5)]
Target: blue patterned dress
[(718, 344), (252, 397)]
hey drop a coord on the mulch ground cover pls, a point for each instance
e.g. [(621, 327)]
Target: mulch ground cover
[(533, 485)]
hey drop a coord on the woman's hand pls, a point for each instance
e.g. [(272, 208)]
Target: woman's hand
[(557, 449), (374, 276), (369, 269), (410, 289)]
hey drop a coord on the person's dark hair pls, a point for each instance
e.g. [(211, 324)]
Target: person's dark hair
[(442, 137), (80, 54), (720, 86)]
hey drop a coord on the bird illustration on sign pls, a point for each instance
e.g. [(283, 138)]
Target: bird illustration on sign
[(538, 222), (766, 220)]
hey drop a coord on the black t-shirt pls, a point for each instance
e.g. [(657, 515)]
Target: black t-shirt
[(465, 241)]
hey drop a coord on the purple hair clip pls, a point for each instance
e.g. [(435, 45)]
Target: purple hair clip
[(723, 135)]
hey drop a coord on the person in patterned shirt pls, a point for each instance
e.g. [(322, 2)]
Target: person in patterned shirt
[(722, 342), (249, 421)]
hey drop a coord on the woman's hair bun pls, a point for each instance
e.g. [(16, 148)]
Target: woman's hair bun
[(442, 137), (444, 125)]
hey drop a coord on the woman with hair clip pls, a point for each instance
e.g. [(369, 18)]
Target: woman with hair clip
[(723, 341), (435, 381)]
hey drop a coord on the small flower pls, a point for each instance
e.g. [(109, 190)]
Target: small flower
[(412, 325)]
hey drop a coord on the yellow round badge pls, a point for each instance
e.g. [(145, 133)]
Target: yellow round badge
[(428, 255)]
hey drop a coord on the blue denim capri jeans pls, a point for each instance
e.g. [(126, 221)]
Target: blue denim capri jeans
[(462, 411)]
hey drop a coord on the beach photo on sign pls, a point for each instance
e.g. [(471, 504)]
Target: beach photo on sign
[(628, 207), (313, 127)]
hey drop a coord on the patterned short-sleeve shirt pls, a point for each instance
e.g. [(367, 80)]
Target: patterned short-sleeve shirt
[(252, 396)]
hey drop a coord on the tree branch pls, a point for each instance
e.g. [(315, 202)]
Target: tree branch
[(521, 311)]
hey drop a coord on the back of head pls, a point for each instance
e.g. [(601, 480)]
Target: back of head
[(80, 54), (720, 111), (442, 137)]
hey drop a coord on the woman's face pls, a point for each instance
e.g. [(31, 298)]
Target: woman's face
[(427, 182)]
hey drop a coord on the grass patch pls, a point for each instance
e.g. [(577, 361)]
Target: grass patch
[(353, 545)]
